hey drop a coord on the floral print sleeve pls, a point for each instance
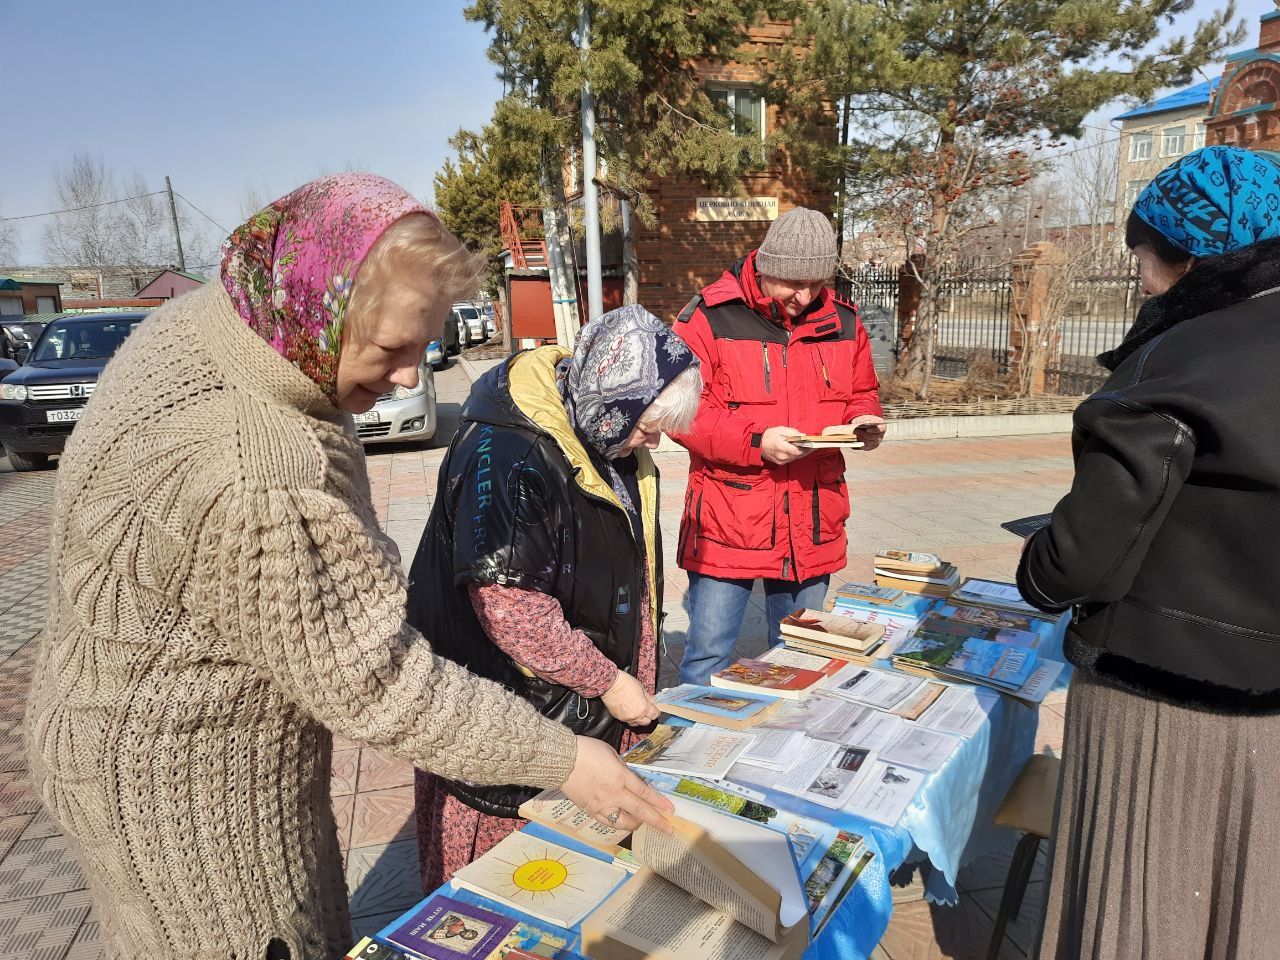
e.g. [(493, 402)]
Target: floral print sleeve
[(530, 628)]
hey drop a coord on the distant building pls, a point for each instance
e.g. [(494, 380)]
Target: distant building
[(1155, 134), (24, 296), (77, 284), (170, 284), (1246, 109)]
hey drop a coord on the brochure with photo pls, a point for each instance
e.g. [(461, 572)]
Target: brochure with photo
[(696, 751)]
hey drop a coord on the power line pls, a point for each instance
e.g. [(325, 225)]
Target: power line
[(201, 212), (88, 206)]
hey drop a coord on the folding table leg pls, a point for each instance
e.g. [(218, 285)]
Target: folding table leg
[(1015, 886)]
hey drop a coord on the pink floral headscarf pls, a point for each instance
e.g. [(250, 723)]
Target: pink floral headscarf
[(290, 268)]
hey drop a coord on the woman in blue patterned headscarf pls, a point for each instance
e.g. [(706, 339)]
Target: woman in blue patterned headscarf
[(1165, 551)]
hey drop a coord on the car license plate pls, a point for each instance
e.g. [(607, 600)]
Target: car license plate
[(371, 417), (64, 416)]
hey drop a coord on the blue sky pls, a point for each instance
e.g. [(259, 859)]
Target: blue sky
[(248, 94)]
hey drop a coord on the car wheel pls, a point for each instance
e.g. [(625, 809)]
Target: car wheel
[(22, 462)]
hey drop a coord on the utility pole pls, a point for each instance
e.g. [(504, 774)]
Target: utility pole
[(177, 234), (590, 195)]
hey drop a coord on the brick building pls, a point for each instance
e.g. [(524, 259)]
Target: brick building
[(1155, 134), (697, 234), (88, 283), (1246, 109)]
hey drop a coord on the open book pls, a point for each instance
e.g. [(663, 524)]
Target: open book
[(733, 893)]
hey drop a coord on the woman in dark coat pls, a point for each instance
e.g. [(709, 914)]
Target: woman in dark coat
[(1168, 825), (541, 566)]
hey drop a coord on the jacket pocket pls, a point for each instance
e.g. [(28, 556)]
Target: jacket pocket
[(747, 372), (833, 369), (829, 499), (736, 510)]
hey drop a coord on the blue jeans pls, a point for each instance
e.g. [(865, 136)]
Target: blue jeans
[(716, 609)]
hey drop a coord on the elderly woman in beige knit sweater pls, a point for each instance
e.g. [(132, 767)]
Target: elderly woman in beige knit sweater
[(223, 597)]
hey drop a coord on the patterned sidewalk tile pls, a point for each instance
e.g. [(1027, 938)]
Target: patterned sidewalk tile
[(42, 928)]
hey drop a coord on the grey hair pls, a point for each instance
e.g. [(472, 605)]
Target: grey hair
[(674, 408)]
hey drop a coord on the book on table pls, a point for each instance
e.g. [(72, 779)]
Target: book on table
[(909, 561), (993, 593), (1045, 626), (832, 630), (1000, 665), (867, 592), (938, 584), (905, 605), (445, 928), (370, 949), (736, 711), (768, 678), (730, 889), (827, 666), (939, 624), (543, 879), (697, 751), (554, 810)]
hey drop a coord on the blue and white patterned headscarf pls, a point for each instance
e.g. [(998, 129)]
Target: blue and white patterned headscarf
[(1214, 200), (620, 364)]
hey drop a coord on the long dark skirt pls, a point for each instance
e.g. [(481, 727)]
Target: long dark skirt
[(1167, 843)]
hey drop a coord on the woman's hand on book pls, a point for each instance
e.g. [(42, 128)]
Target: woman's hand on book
[(629, 702), (602, 784)]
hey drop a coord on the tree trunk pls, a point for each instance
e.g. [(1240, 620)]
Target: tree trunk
[(630, 266)]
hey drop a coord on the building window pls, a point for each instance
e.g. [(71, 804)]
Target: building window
[(1198, 136), (1139, 147), (1173, 142), (46, 305), (10, 307), (744, 106), (1131, 191)]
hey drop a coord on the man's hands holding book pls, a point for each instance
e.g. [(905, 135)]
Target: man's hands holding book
[(603, 785)]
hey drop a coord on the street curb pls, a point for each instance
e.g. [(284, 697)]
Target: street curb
[(475, 369)]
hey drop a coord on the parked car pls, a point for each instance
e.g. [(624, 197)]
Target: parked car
[(450, 340), (473, 323), (42, 400), (436, 357), (16, 337), (403, 414)]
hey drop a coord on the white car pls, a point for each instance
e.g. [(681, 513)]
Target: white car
[(403, 415), (472, 328)]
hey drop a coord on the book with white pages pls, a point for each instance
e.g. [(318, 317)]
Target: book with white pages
[(802, 714)]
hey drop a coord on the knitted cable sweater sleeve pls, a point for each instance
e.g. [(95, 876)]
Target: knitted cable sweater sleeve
[(302, 590)]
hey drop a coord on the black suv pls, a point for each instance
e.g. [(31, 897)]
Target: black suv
[(41, 401)]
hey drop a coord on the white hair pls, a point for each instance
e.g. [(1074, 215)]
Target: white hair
[(673, 410)]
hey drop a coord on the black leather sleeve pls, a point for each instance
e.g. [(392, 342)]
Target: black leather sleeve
[(511, 523), (1131, 460)]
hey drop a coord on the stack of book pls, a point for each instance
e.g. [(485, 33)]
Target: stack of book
[(925, 574), (832, 635), (898, 612), (953, 650), (736, 711)]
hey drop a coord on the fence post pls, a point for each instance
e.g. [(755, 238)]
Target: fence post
[(1034, 337), (908, 299)]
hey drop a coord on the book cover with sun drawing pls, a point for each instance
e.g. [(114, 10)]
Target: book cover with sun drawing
[(542, 879)]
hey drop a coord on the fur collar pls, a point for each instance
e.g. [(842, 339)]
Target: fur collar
[(1212, 284)]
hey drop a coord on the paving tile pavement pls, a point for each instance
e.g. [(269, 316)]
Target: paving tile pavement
[(944, 495)]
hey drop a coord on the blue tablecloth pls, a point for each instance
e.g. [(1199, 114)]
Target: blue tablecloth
[(949, 824)]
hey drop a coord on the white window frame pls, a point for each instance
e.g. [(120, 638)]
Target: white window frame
[(51, 302), (7, 305), (1199, 133), (1137, 141), (731, 95), (1173, 141)]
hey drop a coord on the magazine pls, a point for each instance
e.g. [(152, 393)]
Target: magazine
[(938, 626), (868, 592), (993, 593)]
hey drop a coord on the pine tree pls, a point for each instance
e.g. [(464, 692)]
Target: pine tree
[(655, 117), (946, 103)]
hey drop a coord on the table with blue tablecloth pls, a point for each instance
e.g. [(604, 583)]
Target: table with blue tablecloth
[(949, 823)]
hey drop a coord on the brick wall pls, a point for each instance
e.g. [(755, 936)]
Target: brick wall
[(680, 255), (89, 283)]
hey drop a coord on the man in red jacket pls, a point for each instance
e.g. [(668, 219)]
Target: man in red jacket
[(780, 357)]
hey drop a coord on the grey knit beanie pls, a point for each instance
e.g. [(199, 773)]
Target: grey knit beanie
[(800, 245)]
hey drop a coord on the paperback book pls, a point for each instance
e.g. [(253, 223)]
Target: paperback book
[(909, 561), (768, 678), (1000, 665), (697, 751), (830, 631), (737, 710), (369, 949), (993, 593), (868, 592), (939, 584), (553, 809), (940, 627), (444, 928), (540, 878), (969, 613), (827, 666), (827, 441)]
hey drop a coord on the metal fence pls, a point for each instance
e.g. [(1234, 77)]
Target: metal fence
[(1098, 313), (973, 317)]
